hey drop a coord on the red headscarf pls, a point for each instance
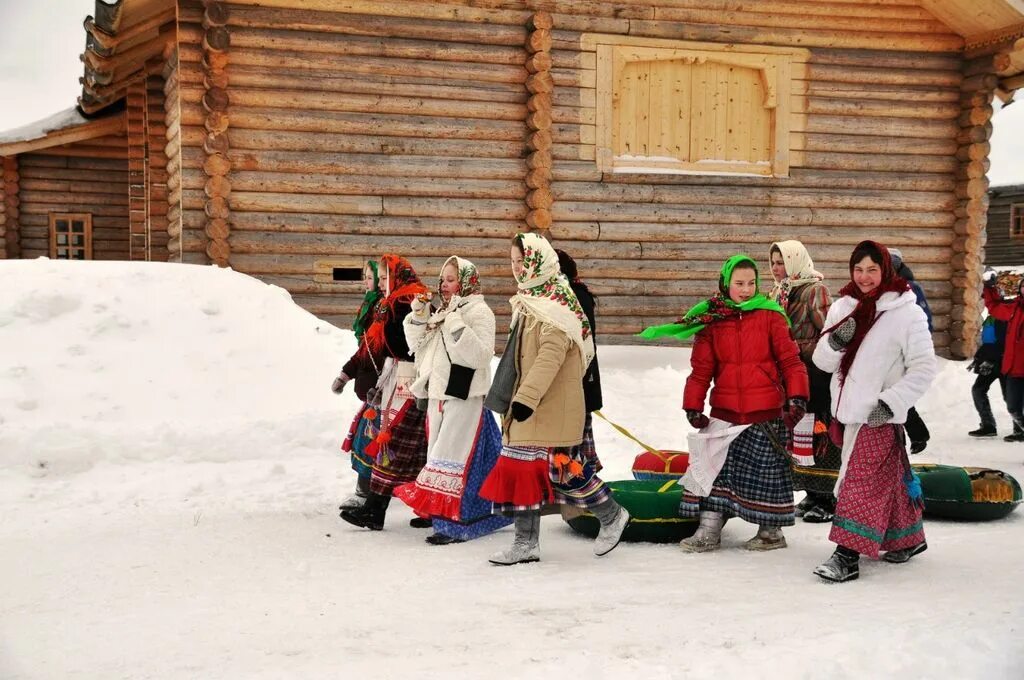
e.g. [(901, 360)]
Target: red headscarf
[(865, 311), (403, 286)]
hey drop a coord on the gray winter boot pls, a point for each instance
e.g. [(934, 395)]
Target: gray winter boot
[(844, 565), (526, 546), (614, 519), (767, 538), (708, 536)]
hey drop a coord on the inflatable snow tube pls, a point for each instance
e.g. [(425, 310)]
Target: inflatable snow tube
[(967, 493), (663, 465), (654, 507)]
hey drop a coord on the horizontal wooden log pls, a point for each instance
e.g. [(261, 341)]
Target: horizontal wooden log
[(973, 152), (330, 101), (869, 107), (386, 125), (401, 206), (308, 183), (541, 219), (872, 144), (750, 234), (379, 26), (663, 213), (836, 22), (306, 145), (733, 196), (880, 163), (75, 186), (393, 47), (323, 203), (351, 65), (797, 37), (217, 39), (383, 165), (386, 226), (386, 85), (869, 125)]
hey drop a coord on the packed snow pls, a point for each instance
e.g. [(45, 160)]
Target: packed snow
[(169, 482)]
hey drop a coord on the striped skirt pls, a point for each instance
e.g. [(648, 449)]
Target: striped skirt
[(529, 477), (822, 476), (875, 511), (754, 484), (362, 431)]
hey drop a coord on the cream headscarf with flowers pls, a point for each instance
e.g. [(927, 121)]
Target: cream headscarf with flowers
[(545, 294), (469, 284), (799, 270)]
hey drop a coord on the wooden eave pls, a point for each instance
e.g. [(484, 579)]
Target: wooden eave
[(121, 40), (101, 127)]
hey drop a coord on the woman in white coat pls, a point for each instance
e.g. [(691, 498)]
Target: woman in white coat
[(877, 346), (453, 346)]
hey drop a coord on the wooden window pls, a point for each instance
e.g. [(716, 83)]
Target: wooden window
[(1017, 220), (70, 236), (680, 107)]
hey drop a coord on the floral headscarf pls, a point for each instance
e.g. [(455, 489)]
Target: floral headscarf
[(469, 280), (545, 294), (403, 286), (799, 270)]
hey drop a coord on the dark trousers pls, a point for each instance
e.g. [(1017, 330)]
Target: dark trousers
[(1015, 399), (917, 431), (979, 391)]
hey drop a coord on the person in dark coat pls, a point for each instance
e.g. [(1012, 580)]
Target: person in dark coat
[(917, 431), (987, 365)]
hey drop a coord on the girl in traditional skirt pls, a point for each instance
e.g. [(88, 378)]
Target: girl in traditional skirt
[(399, 449), (538, 390), (743, 345), (593, 400), (800, 292), (879, 350), (363, 368), (453, 347)]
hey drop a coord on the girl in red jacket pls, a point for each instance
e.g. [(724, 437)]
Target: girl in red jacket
[(741, 467), (1012, 312)]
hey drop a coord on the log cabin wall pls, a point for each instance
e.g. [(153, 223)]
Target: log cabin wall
[(1005, 243), (89, 177), (156, 130), (172, 153), (10, 213), (362, 127)]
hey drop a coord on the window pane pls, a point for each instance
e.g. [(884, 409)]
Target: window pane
[(78, 226), (61, 225), (62, 253), (62, 239), (78, 240), (79, 255)]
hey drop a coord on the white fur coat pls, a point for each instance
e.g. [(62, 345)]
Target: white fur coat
[(895, 363)]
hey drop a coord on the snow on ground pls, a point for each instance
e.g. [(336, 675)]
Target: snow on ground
[(169, 477)]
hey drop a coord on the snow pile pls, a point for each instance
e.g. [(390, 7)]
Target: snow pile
[(118, 361)]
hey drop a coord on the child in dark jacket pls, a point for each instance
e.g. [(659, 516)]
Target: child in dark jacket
[(744, 347)]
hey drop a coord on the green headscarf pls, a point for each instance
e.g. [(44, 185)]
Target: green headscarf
[(719, 306), (365, 314)]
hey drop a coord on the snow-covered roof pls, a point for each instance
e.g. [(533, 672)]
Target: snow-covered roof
[(62, 127), (62, 120)]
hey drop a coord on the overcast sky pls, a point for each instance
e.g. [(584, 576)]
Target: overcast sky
[(41, 40)]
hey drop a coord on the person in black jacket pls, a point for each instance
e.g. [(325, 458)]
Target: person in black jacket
[(916, 430), (987, 365)]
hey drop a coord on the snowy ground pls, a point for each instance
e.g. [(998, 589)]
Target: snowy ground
[(169, 478)]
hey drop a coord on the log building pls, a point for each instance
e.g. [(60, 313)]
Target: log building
[(292, 139), (1005, 228)]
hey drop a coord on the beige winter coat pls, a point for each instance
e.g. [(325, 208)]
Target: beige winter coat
[(551, 383)]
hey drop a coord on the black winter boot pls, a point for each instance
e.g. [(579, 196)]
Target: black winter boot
[(371, 515), (844, 565)]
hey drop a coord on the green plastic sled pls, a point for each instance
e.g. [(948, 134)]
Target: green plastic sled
[(654, 507)]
